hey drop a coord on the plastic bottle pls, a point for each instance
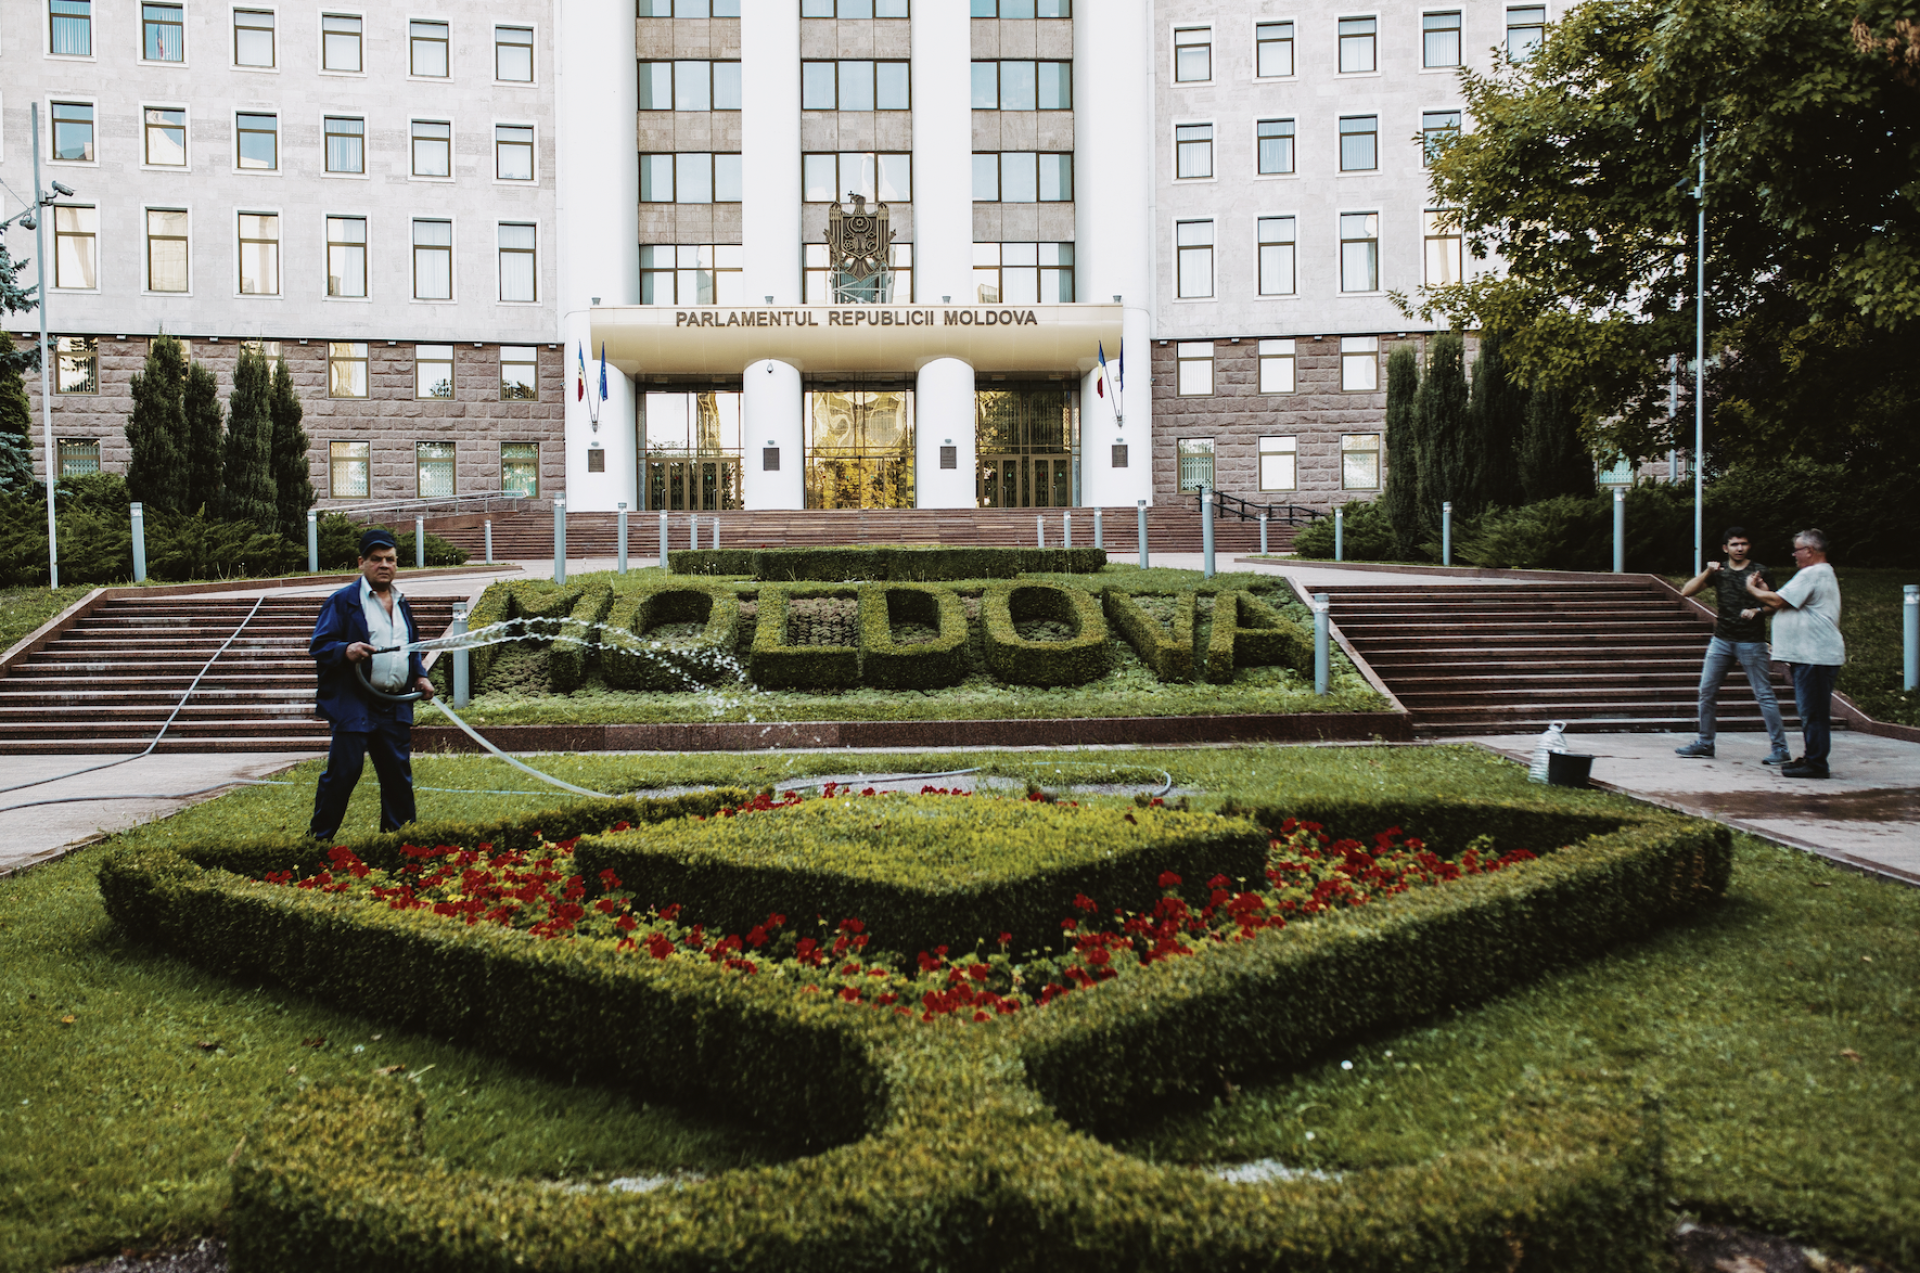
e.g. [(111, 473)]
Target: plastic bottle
[(1554, 739)]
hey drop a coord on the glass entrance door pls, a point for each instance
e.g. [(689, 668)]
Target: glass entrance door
[(1025, 438), (693, 485), (692, 446), (1025, 481), (860, 448)]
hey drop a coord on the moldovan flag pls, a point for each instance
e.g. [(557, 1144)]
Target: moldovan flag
[(580, 375)]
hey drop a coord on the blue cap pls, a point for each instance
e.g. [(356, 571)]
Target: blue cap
[(376, 537)]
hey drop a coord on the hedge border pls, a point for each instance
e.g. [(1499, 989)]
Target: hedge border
[(775, 665), (1249, 633), (1168, 652), (573, 641), (1081, 658), (623, 639), (927, 665)]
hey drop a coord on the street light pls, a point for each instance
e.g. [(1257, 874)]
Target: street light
[(44, 199), (1700, 355)]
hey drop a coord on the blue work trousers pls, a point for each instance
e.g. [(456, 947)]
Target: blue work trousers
[(1753, 658), (390, 744), (1813, 695)]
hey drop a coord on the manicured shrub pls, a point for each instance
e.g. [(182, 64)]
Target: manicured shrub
[(922, 665), (774, 664), (1248, 633), (574, 640), (710, 561), (908, 563), (1167, 649), (1080, 657), (631, 660), (831, 565), (1367, 534), (495, 606)]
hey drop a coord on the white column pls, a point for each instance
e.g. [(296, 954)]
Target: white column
[(770, 408), (942, 152), (943, 416), (770, 149), (1113, 95), (597, 229)]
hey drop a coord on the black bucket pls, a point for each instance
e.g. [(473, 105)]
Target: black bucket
[(1568, 768)]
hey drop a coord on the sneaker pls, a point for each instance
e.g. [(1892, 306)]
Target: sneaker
[(1801, 769), (1698, 749), (1781, 757)]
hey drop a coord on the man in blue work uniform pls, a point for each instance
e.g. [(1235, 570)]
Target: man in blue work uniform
[(368, 614)]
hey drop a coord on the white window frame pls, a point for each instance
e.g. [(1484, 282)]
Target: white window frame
[(146, 249), (1293, 40), (326, 259), (1211, 247), (452, 249), (407, 32), (233, 37), (365, 172), (1175, 45), (1341, 125), (1278, 448), (1359, 364), (1290, 174), (1506, 42), (533, 159), (320, 53), (1193, 368), (1279, 366), (1213, 171), (1340, 260), (412, 173), (1460, 39), (500, 254), (186, 49), (1374, 17), (93, 34), (186, 137), (1260, 246), (73, 99), (1434, 245), (279, 255), (278, 147), (533, 55), (53, 225)]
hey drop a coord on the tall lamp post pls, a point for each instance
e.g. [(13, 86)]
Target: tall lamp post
[(1700, 355), (30, 218)]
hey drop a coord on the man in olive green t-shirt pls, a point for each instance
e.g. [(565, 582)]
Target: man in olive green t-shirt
[(1806, 637)]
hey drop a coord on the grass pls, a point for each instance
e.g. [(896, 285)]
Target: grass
[(24, 609), (115, 1128)]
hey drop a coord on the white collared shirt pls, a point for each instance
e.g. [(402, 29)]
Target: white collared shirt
[(387, 671)]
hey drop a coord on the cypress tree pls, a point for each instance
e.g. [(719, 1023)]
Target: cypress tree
[(292, 479), (1400, 499), (16, 422), (1443, 442), (157, 429), (1553, 460), (1498, 408), (204, 429), (247, 493)]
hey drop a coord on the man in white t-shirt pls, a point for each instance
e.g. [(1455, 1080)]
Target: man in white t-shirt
[(1806, 637)]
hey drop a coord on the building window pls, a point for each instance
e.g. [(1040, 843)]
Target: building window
[(77, 364), (1278, 471), (1360, 462), (72, 27), (1023, 273), (1359, 251), (1276, 256), (73, 132), (252, 37), (1440, 39), (1276, 366), (1193, 244), (1274, 141), (347, 376), (513, 152), (1357, 51), (1194, 359), (1441, 232), (519, 262), (433, 260), (1526, 28), (427, 44), (340, 43), (690, 177), (855, 86), (1359, 143), (1004, 9), (886, 177), (1273, 49), (817, 280), (167, 250), (513, 55), (1023, 86), (1193, 150), (1437, 129), (432, 145), (853, 9), (347, 257), (433, 469), (268, 349), (346, 144), (694, 274), (79, 457), (1195, 457), (257, 142), (1359, 364), (690, 86), (76, 232), (348, 465), (1022, 177), (433, 371), (519, 373), (165, 141), (689, 8), (163, 36), (1193, 55), (520, 469), (259, 254)]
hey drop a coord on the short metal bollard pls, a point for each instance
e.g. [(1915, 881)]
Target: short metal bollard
[(663, 540), (559, 539), (489, 541), (1099, 532), (1206, 531), (1619, 531), (313, 542), (1339, 534), (1446, 533), (1040, 531), (419, 543), (1263, 534), (620, 548), (1322, 637), (1066, 530), (140, 543), (1910, 624), (1141, 509), (713, 533), (693, 532), (462, 661)]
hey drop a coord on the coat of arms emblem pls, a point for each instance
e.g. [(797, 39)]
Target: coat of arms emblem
[(858, 246)]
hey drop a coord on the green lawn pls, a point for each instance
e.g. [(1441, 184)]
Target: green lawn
[(24, 609), (115, 1127)]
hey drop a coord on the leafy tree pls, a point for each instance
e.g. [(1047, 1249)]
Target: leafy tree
[(16, 412), (1497, 412), (15, 299), (1441, 457), (1579, 175), (1400, 500), (204, 428), (157, 428), (247, 493), (292, 479), (1553, 461)]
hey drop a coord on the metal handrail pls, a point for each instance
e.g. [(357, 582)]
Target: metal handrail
[(1248, 511), (485, 500)]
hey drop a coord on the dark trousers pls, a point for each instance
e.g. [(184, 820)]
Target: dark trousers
[(390, 744), (1813, 697)]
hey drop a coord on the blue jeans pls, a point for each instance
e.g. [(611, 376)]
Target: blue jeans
[(390, 744), (1813, 695), (1753, 658)]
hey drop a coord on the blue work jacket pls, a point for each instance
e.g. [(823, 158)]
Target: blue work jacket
[(341, 697)]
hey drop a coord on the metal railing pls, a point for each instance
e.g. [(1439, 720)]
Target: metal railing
[(1248, 511), (444, 506)]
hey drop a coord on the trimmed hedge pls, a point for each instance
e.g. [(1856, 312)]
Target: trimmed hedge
[(924, 871), (573, 640), (922, 666), (904, 564), (710, 561), (1080, 658), (495, 606), (1168, 651), (775, 665), (630, 661), (1249, 633)]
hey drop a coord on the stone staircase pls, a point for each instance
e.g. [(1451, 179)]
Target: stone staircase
[(1602, 656), (108, 683)]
